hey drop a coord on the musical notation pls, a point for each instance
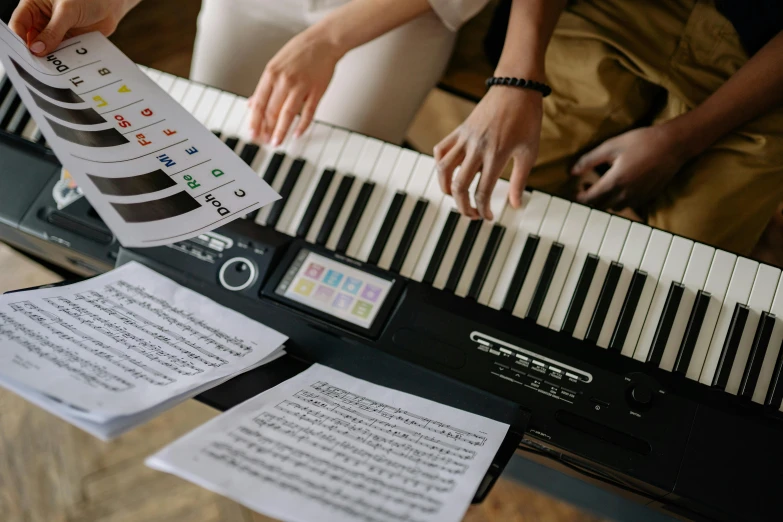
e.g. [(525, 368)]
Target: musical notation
[(326, 446), (123, 341)]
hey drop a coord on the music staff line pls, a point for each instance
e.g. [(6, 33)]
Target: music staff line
[(425, 424), (327, 440), (398, 414), (431, 456)]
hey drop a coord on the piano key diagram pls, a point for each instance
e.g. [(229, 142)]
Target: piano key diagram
[(152, 172)]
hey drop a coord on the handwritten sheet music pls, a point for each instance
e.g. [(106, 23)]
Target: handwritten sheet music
[(151, 170), (121, 344), (325, 446)]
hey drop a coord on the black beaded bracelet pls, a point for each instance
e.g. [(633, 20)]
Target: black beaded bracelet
[(543, 88)]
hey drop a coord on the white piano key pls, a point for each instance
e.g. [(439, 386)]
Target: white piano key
[(236, 115), (220, 111), (335, 141), (738, 292), (417, 185), (760, 300), (630, 258), (717, 283), (178, 89), (549, 232), (446, 206), (497, 204), (511, 219), (590, 243), (206, 105), (17, 118), (396, 181), (426, 229), (773, 348), (192, 97), (358, 160), (611, 247), (694, 280), (652, 264), (569, 237), (673, 270), (447, 263), (533, 215), (292, 148), (153, 74), (30, 131), (380, 176), (316, 143), (166, 81)]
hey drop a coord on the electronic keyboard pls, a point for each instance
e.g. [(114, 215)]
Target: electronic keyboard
[(646, 361)]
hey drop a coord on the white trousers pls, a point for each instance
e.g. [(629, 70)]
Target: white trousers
[(376, 89)]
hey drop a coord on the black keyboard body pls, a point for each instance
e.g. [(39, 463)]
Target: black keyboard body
[(683, 448)]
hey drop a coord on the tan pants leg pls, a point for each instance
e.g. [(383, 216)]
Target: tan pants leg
[(610, 60), (725, 196)]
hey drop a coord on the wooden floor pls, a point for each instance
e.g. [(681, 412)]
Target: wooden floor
[(52, 472)]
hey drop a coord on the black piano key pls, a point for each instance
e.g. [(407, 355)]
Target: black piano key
[(386, 228), (232, 142), (440, 248), (542, 287), (217, 133), (285, 192), (604, 301), (520, 273), (580, 293), (410, 233), (482, 271), (273, 167), (628, 310), (249, 152), (756, 356), (41, 140), (334, 210), (665, 322), (5, 87), (16, 101), (315, 202), (730, 346), (462, 255), (775, 391), (692, 331), (355, 216), (23, 121)]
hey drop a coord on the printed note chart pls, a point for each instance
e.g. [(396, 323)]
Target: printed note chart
[(154, 174)]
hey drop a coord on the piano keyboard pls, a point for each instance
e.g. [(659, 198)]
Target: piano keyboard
[(708, 315)]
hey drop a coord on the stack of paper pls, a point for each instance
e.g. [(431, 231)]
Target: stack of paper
[(329, 447), (112, 352)]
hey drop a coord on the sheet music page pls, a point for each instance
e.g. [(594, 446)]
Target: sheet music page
[(154, 174), (325, 446), (123, 342)]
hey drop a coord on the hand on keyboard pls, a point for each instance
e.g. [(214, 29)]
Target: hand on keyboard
[(293, 81), (43, 24), (643, 161), (505, 125)]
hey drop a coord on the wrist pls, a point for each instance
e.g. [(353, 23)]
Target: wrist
[(331, 36), (527, 69), (688, 137)]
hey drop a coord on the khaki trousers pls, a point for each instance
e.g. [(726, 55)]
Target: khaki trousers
[(376, 89), (618, 64)]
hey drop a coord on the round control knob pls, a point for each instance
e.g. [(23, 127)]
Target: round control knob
[(640, 394), (237, 274)]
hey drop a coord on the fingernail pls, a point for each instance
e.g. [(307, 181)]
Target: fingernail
[(38, 47), (275, 141)]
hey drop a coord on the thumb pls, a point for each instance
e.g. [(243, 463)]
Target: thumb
[(604, 153), (63, 19)]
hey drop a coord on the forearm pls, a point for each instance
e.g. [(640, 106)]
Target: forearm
[(530, 27), (755, 89), (361, 21)]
